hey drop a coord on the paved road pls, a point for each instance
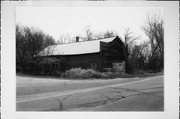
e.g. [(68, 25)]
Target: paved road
[(132, 94)]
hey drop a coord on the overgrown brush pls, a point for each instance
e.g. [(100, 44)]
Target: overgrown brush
[(78, 73)]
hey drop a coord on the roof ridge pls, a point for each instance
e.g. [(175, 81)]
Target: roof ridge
[(84, 41)]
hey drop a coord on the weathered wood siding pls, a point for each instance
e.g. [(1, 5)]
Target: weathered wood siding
[(112, 52), (84, 61)]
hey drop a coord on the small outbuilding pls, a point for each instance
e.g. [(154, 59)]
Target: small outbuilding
[(101, 55)]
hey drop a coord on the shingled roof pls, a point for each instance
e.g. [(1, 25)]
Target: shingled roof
[(76, 48)]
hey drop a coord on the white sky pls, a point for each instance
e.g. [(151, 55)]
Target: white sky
[(57, 21)]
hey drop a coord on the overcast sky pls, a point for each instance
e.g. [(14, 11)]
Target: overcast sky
[(57, 21)]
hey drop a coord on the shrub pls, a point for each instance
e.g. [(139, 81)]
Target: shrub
[(78, 73), (140, 72)]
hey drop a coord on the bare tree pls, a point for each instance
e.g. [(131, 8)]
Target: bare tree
[(48, 40), (20, 45), (99, 35), (64, 39), (129, 38), (109, 34), (29, 42), (139, 57), (89, 34), (154, 29)]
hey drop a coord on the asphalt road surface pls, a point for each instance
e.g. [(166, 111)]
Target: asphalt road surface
[(127, 94)]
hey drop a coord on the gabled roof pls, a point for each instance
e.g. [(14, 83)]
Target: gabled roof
[(84, 47)]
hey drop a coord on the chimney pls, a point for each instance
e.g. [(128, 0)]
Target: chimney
[(77, 38)]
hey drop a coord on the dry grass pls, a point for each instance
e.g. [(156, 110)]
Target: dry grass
[(78, 73)]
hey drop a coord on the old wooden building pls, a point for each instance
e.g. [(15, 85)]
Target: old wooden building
[(99, 55)]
